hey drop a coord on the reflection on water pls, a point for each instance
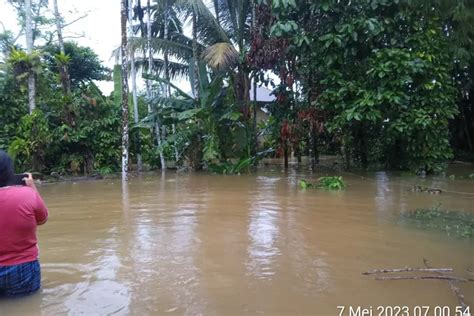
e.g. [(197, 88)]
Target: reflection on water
[(197, 244), (263, 229)]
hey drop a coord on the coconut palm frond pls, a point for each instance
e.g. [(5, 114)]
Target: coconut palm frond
[(172, 17), (235, 17), (176, 49), (210, 32), (221, 56), (179, 92), (175, 103), (176, 70), (228, 16)]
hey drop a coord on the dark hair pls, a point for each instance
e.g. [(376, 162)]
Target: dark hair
[(6, 168)]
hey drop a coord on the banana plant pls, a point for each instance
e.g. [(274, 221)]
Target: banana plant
[(202, 123)]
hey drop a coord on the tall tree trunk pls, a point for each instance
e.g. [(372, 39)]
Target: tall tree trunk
[(196, 142), (64, 71), (133, 76), (363, 149), (315, 148), (311, 148), (29, 50), (147, 55), (157, 127), (465, 126), (166, 68), (123, 50), (196, 82), (255, 101), (286, 153), (254, 122)]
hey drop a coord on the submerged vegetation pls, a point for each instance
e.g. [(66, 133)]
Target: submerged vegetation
[(380, 83), (228, 167), (453, 223), (326, 183), (332, 183)]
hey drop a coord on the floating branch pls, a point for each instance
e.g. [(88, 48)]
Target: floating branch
[(406, 269), (439, 275), (456, 291), (425, 277)]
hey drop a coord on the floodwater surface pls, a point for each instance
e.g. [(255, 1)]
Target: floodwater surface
[(198, 244)]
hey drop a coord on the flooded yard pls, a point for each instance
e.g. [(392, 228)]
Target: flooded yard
[(199, 244)]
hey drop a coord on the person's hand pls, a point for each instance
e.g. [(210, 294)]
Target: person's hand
[(29, 181)]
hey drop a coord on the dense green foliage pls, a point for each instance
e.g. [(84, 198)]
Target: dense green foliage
[(77, 133), (83, 64), (379, 72), (381, 83), (395, 91), (327, 183), (332, 183)]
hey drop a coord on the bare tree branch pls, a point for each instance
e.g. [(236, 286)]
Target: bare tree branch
[(75, 36), (456, 291), (74, 21), (425, 277), (407, 269)]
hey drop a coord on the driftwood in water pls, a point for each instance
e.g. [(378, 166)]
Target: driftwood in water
[(407, 269), (456, 291), (439, 274), (425, 277)]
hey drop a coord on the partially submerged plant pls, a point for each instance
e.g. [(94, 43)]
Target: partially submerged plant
[(453, 223), (304, 184), (332, 183), (327, 183), (231, 168)]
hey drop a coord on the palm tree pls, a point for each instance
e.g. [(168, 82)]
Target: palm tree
[(157, 126), (216, 40), (166, 69), (29, 50), (133, 75), (212, 50), (123, 50)]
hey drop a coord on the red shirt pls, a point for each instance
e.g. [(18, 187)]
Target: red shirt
[(21, 209)]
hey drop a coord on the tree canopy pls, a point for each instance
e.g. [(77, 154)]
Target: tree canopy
[(383, 84)]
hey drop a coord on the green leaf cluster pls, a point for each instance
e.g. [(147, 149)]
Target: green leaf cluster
[(334, 183), (382, 72)]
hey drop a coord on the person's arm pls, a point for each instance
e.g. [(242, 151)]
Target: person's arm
[(41, 211)]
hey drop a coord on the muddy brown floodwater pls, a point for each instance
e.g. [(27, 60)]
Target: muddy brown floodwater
[(198, 244)]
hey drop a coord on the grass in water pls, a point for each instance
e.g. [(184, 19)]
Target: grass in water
[(453, 223)]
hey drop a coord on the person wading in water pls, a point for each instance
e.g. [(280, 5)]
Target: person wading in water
[(21, 210)]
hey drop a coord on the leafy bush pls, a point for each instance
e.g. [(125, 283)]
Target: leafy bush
[(305, 184), (230, 168), (327, 183), (31, 144), (331, 183)]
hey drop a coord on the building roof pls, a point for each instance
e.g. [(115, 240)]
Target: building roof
[(263, 95)]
